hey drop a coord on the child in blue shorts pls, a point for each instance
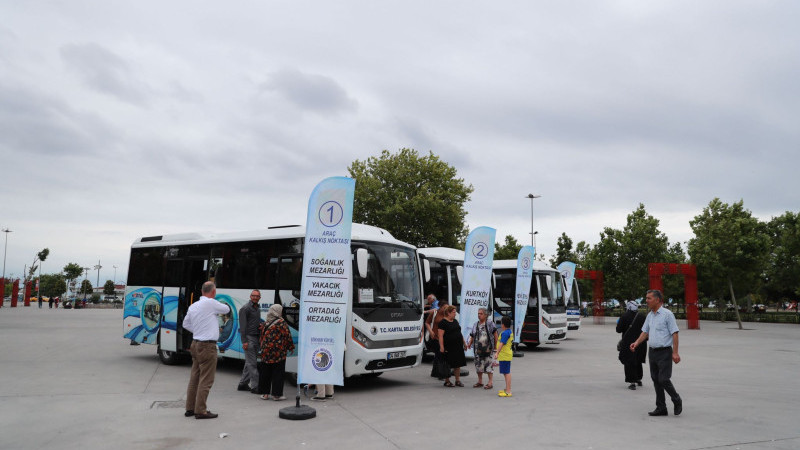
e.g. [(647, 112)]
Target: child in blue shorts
[(505, 354)]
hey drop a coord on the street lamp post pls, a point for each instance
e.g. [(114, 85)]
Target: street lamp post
[(533, 235), (6, 231), (85, 277), (97, 268), (534, 240)]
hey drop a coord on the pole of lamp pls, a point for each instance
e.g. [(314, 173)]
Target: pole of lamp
[(5, 250), (534, 239), (533, 235), (97, 268)]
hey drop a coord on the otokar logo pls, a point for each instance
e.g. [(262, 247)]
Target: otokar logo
[(322, 359)]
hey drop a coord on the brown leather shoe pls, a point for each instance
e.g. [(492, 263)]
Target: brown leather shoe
[(207, 415)]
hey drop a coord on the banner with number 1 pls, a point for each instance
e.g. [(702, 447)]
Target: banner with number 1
[(326, 292)]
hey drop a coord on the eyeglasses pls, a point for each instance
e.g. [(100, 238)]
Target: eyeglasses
[(255, 296)]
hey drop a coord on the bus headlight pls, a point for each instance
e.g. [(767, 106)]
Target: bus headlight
[(546, 323), (360, 338)]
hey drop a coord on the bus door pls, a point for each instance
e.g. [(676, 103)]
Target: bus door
[(184, 279), (530, 328), (288, 276)]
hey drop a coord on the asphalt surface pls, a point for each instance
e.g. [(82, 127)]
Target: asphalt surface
[(69, 381)]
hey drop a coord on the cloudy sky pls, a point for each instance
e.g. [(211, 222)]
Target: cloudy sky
[(127, 119)]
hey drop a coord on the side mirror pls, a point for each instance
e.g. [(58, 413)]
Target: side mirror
[(362, 256), (460, 274), (426, 269)]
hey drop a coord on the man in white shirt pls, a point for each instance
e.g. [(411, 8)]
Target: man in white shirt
[(201, 320)]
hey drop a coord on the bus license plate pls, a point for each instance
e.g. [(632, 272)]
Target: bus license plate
[(395, 355)]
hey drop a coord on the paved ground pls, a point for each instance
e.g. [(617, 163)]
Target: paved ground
[(69, 381)]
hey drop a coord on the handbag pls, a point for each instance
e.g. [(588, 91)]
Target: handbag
[(441, 368), (619, 345)]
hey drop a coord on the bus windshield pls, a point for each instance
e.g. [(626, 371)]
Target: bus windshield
[(392, 279), (552, 292)]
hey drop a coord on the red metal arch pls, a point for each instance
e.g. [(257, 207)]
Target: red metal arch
[(689, 272), (597, 292)]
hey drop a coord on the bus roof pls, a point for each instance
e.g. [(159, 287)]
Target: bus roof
[(512, 264), (359, 232), (451, 254)]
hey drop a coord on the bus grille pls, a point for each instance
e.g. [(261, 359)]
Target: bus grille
[(382, 364)]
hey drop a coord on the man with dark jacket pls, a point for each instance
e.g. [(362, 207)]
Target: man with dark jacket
[(249, 319)]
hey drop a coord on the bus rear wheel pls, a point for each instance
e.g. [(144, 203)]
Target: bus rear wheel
[(168, 358)]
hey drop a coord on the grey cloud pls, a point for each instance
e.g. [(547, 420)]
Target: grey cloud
[(105, 72), (309, 91), (37, 123)]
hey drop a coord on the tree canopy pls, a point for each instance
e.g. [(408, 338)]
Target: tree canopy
[(623, 255), (509, 250), (729, 248), (108, 288), (783, 269), (419, 199)]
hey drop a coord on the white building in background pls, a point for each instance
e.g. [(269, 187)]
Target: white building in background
[(119, 292)]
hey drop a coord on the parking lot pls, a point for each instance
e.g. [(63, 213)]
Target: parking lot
[(69, 381)]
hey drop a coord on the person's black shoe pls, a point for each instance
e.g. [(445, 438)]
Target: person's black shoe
[(658, 412), (632, 386), (188, 413), (243, 387), (207, 415), (254, 390), (678, 407), (639, 382)]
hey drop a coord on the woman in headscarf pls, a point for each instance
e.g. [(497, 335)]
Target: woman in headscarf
[(630, 325), (276, 343)]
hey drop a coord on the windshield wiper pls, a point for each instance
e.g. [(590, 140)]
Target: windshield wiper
[(376, 307)]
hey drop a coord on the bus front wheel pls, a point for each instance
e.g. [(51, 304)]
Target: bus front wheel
[(167, 357)]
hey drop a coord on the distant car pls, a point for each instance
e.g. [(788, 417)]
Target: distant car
[(759, 308), (712, 304)]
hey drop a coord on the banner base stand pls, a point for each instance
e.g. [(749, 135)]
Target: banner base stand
[(297, 412), (515, 349)]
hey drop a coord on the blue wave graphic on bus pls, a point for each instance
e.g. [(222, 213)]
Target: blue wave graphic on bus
[(169, 319), (229, 337), (145, 304)]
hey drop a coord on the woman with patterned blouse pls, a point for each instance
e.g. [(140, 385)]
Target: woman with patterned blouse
[(276, 343)]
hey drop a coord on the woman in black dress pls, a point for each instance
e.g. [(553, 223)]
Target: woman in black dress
[(451, 343)]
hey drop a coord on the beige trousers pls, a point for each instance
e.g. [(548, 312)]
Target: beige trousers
[(204, 367)]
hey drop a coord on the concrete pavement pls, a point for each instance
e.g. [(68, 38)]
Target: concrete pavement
[(69, 381)]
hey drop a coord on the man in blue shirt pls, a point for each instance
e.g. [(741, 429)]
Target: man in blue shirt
[(661, 330)]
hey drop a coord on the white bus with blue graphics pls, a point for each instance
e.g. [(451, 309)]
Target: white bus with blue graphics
[(384, 318), (546, 318), (574, 307)]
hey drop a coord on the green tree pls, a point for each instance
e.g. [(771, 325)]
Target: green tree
[(108, 288), (72, 271), (420, 200), (509, 250), (729, 249), (40, 257), (86, 287), (623, 255), (783, 265), (563, 251), (52, 285)]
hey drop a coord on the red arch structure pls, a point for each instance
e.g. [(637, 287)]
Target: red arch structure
[(597, 292), (657, 270)]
